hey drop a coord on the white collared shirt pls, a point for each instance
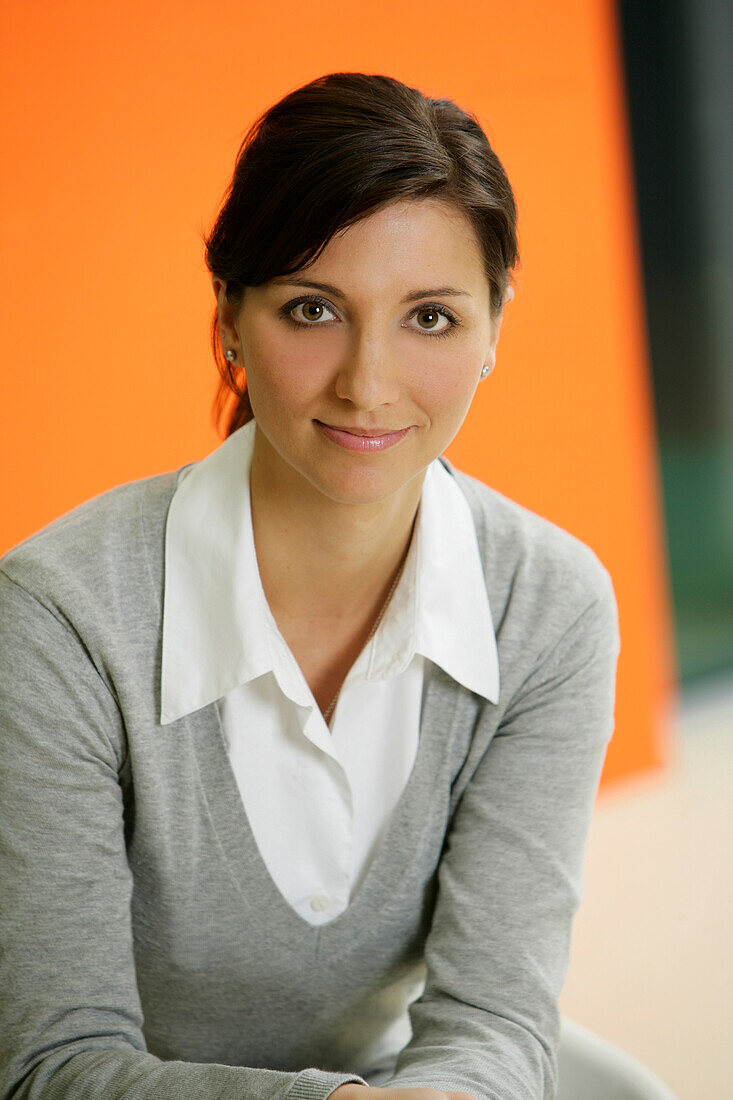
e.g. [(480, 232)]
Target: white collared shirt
[(317, 799)]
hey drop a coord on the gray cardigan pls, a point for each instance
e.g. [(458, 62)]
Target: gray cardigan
[(144, 949)]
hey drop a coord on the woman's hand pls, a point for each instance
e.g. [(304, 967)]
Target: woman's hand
[(354, 1091)]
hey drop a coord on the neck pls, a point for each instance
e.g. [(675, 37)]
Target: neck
[(320, 556)]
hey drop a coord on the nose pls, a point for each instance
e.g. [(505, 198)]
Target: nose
[(369, 376)]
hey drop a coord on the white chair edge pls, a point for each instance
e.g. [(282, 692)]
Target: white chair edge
[(583, 1053)]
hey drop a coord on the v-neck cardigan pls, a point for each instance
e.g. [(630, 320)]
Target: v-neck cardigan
[(146, 951)]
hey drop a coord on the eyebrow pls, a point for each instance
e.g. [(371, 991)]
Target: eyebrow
[(442, 291)]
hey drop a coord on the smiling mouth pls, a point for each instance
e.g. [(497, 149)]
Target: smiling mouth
[(363, 440)]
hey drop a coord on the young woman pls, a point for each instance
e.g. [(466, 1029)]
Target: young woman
[(299, 743)]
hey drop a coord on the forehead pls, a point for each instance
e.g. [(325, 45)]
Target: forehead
[(409, 247), (435, 229)]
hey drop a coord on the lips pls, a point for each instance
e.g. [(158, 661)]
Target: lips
[(363, 439)]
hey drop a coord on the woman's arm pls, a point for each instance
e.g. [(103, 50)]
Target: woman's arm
[(70, 1015), (510, 877)]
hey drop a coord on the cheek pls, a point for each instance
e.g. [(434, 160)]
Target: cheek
[(448, 386), (279, 373)]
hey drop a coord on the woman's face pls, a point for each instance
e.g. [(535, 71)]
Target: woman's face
[(364, 356)]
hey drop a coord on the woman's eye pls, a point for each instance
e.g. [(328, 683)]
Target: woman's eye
[(312, 312), (434, 314)]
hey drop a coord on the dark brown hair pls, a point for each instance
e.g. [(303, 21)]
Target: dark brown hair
[(331, 153)]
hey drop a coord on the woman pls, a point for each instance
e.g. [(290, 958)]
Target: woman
[(300, 742)]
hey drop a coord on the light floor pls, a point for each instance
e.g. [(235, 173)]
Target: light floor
[(651, 963)]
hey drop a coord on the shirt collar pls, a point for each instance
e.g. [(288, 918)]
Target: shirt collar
[(213, 592)]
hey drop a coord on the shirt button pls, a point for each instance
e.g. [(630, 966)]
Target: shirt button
[(320, 902)]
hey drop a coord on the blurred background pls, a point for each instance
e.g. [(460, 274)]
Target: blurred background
[(610, 410), (678, 67), (659, 884)]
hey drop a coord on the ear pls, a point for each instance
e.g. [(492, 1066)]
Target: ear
[(227, 315), (490, 358)]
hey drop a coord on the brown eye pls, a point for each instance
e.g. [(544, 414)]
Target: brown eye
[(433, 313), (312, 312)]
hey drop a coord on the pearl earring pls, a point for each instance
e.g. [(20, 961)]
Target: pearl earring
[(485, 370), (231, 355)]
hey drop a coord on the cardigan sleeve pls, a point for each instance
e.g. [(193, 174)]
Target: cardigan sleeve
[(509, 878), (70, 1014)]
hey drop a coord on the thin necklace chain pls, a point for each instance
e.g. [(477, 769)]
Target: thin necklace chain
[(332, 704)]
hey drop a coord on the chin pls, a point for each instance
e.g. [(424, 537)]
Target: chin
[(363, 486)]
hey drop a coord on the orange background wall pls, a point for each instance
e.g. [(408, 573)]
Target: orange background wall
[(122, 122)]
